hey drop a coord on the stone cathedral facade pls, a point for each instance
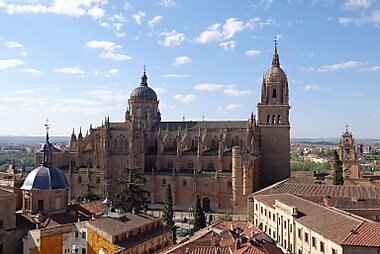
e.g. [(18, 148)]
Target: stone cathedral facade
[(221, 161)]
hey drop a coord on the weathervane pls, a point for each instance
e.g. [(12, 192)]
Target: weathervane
[(47, 127)]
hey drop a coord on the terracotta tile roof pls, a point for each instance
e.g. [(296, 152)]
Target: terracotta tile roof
[(296, 186), (58, 219), (314, 216), (346, 203), (219, 239), (89, 208), (114, 226), (366, 235)]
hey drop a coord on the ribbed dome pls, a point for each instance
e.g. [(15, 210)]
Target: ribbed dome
[(45, 178), (143, 91), (275, 74)]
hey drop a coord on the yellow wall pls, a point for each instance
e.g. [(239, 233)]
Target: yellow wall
[(51, 244), (96, 242)]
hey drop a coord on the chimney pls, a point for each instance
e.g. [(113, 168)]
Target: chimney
[(326, 201)]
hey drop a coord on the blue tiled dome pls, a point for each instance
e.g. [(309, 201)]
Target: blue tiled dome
[(144, 91), (45, 178)]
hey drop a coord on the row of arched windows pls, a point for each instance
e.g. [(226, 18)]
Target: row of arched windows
[(190, 165), (120, 144), (274, 120)]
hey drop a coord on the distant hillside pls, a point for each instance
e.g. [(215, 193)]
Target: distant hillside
[(30, 140), (331, 141)]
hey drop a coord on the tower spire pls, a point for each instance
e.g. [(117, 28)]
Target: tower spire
[(144, 78), (47, 127), (276, 58)]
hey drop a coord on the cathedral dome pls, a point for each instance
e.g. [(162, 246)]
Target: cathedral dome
[(275, 73), (144, 92), (45, 178)]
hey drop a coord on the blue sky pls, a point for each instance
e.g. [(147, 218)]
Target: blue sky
[(76, 61)]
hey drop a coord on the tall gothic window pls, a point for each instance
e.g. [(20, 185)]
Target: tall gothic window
[(210, 165), (273, 119), (268, 119), (279, 119), (274, 94)]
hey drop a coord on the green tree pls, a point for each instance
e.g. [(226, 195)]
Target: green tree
[(168, 213), (132, 196), (199, 216), (338, 171)]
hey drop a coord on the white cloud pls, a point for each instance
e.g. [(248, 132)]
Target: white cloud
[(13, 44), (236, 92), (76, 70), (105, 25), (127, 6), (117, 26), (181, 60), (172, 38), (345, 20), (34, 72), (96, 12), (357, 4), (188, 98), (114, 56), (108, 50), (104, 45), (231, 27), (311, 88), (112, 72), (349, 65), (176, 75), (211, 87), (25, 91), (372, 69), (252, 52), (118, 17), (233, 107), (139, 17), (228, 45), (211, 34), (74, 8), (155, 21), (109, 93), (121, 35), (167, 3), (218, 33), (10, 63)]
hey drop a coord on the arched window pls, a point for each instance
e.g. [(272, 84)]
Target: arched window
[(98, 179), (163, 182), (273, 119), (193, 143), (279, 119), (210, 165), (184, 183), (190, 165), (268, 119), (170, 165), (229, 184), (79, 179), (73, 163), (274, 94), (89, 163)]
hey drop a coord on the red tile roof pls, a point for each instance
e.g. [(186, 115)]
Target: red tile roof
[(219, 239), (366, 235)]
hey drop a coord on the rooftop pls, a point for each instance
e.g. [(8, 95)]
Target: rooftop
[(343, 227)]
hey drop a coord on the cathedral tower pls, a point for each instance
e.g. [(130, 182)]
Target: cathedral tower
[(273, 122), (143, 105), (348, 156)]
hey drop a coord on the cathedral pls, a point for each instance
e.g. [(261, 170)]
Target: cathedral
[(221, 161)]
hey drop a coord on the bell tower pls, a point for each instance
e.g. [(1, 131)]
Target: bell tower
[(348, 156), (273, 122)]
